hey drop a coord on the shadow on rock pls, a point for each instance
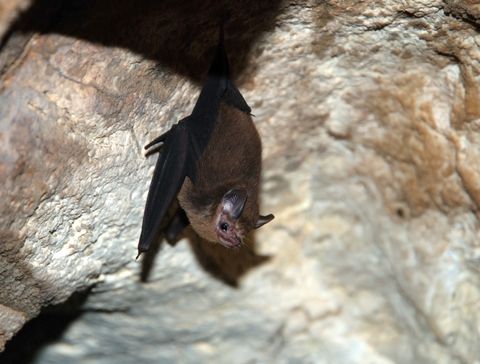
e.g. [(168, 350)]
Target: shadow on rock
[(177, 35), (47, 328), (226, 265)]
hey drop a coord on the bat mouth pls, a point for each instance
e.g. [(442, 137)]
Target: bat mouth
[(233, 242)]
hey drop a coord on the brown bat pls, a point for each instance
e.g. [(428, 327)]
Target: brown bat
[(212, 161)]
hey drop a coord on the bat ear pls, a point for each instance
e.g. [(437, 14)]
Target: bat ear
[(262, 220), (233, 202)]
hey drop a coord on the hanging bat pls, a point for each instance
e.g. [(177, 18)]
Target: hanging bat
[(211, 161)]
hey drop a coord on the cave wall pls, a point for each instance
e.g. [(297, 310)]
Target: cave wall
[(369, 117)]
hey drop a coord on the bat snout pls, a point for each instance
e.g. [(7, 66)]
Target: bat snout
[(232, 243), (227, 235)]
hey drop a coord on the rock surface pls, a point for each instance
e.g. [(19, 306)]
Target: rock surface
[(370, 120)]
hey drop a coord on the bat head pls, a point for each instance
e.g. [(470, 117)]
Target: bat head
[(230, 225)]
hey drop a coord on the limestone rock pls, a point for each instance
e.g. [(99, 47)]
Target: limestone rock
[(370, 121)]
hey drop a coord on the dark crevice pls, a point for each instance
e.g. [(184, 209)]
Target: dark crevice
[(451, 56), (463, 16), (45, 329)]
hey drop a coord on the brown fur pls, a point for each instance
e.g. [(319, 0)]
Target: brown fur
[(232, 159)]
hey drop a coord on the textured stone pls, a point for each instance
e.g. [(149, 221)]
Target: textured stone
[(369, 117)]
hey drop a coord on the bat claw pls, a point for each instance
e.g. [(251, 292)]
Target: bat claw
[(154, 150), (160, 139)]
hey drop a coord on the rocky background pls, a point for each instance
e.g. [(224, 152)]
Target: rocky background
[(369, 113)]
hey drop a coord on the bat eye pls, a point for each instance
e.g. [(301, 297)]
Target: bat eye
[(224, 226)]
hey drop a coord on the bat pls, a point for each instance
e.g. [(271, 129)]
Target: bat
[(211, 162)]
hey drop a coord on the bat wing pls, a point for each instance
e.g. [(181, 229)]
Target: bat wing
[(233, 97), (218, 87), (175, 162)]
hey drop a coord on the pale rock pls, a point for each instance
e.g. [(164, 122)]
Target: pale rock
[(369, 116)]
